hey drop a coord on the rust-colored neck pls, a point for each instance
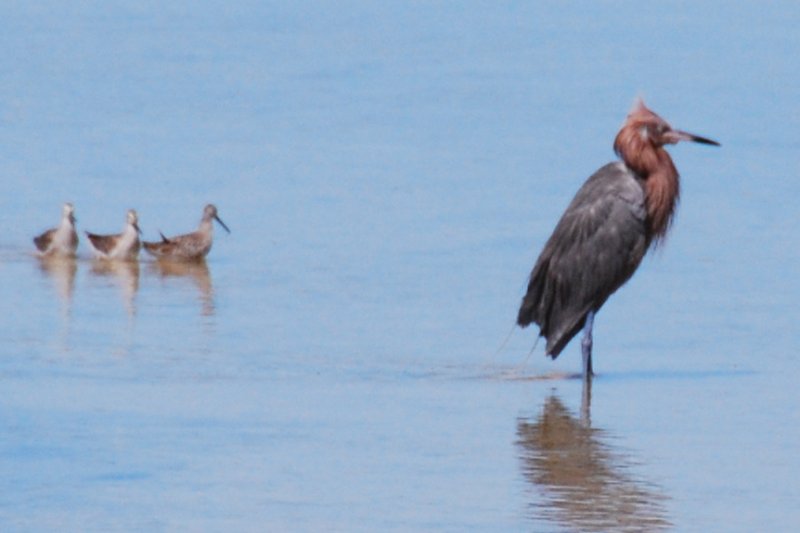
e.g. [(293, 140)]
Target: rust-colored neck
[(654, 165)]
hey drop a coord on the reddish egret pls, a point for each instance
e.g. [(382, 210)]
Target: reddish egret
[(621, 210)]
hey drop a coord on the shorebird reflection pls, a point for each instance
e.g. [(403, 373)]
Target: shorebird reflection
[(61, 270), (197, 271), (126, 275), (583, 482)]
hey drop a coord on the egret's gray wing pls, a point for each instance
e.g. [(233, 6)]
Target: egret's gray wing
[(596, 246)]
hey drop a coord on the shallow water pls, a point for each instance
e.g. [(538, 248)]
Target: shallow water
[(389, 173)]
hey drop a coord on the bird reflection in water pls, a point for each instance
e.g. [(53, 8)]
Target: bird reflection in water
[(585, 484), (126, 275), (62, 271), (197, 271)]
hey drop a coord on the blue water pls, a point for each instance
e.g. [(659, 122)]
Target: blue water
[(389, 172)]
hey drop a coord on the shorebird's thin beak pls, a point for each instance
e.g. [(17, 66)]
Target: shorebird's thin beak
[(221, 223), (136, 227)]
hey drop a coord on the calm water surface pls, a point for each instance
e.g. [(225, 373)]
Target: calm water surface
[(389, 173)]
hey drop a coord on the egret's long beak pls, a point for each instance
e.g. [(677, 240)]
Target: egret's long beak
[(221, 223), (674, 136)]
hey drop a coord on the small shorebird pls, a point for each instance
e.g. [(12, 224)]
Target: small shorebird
[(124, 245), (60, 241), (189, 247)]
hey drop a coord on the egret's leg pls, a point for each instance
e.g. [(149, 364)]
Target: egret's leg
[(586, 346), (586, 403)]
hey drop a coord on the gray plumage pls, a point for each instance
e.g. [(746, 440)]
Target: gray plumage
[(595, 248), (603, 235)]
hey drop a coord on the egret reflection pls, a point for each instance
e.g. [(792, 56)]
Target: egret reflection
[(197, 271), (584, 482)]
